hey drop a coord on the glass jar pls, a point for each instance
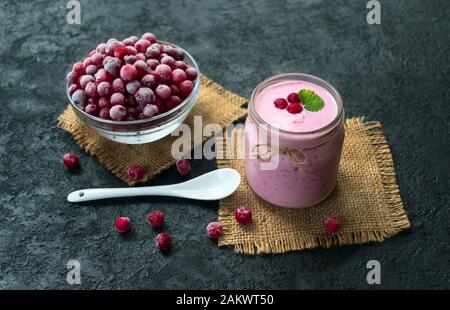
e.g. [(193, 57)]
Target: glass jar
[(293, 169)]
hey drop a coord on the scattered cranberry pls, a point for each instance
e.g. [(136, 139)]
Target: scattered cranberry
[(293, 97), (243, 215), (117, 99), (191, 73), (185, 88), (214, 230), (332, 225), (294, 108), (128, 73), (150, 110), (155, 219), (135, 172), (118, 113), (183, 166), (122, 224), (280, 103), (163, 241), (71, 161)]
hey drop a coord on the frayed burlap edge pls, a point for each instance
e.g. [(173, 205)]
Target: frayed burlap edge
[(69, 122), (397, 215)]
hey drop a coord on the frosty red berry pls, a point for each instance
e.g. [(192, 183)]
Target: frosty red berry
[(243, 215), (122, 224)]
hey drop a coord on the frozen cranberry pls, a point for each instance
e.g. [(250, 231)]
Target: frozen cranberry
[(79, 68), (122, 224), (159, 46), (131, 111), (163, 241), (293, 97), (163, 73), (174, 90), (176, 53), (142, 45), (191, 73), (73, 77), (280, 103), (85, 79), (149, 37), (243, 215), (111, 45), (145, 95), (150, 110), (121, 51), (131, 101), (79, 97), (128, 73), (152, 52), (152, 63), (155, 219), (166, 48), (97, 58), (91, 89), (91, 69), (87, 62), (185, 88), (332, 225), (183, 166), (131, 50), (135, 172), (73, 88), (104, 88), (178, 76), (214, 230), (91, 109), (140, 56), (149, 81), (141, 68), (104, 113), (173, 101), (161, 106), (71, 161), (180, 65), (103, 102), (101, 48), (133, 86), (294, 108), (163, 91), (103, 76), (117, 98), (118, 86), (118, 112), (130, 59), (168, 60), (112, 66), (130, 41)]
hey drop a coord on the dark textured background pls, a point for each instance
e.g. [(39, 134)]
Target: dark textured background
[(396, 73)]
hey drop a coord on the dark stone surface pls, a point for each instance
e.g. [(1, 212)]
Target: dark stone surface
[(396, 73)]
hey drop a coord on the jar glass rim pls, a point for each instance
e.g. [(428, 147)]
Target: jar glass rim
[(297, 77)]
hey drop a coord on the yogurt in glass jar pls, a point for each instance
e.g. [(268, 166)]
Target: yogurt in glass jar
[(292, 159)]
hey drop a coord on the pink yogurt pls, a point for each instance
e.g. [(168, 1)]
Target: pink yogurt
[(316, 138)]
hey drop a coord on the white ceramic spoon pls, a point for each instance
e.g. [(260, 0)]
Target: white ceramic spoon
[(213, 185)]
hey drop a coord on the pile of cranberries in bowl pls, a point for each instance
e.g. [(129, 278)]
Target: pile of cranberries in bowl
[(131, 87)]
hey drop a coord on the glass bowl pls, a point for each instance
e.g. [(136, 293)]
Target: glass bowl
[(145, 130)]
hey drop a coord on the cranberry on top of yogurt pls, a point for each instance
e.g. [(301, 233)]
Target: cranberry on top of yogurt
[(131, 79)]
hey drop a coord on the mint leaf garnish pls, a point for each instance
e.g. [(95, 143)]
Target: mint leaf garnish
[(311, 100)]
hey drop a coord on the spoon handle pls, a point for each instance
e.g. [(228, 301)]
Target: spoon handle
[(90, 194)]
